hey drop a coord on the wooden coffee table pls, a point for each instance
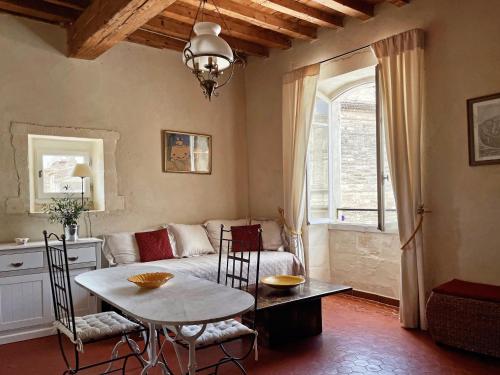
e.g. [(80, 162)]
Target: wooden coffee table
[(283, 315)]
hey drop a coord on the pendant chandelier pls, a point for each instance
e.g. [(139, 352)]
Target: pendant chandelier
[(208, 56)]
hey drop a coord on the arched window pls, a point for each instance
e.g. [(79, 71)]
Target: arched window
[(348, 176)]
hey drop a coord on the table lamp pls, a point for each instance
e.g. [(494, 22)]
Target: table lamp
[(82, 171)]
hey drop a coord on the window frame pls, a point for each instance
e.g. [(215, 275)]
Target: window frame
[(381, 226), (330, 177), (92, 151), (40, 195)]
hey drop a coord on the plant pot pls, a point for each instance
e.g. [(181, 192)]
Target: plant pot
[(71, 232)]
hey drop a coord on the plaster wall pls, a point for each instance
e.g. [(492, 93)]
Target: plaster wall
[(462, 57), (369, 262), (135, 92)]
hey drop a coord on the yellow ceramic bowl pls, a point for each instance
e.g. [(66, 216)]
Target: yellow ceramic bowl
[(150, 280), (283, 281)]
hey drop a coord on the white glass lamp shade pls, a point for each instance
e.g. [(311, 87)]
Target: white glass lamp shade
[(82, 170), (208, 44)]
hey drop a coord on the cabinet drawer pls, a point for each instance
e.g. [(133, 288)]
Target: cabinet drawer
[(81, 255), (13, 262)]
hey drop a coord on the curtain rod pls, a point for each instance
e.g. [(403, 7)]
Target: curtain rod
[(342, 54)]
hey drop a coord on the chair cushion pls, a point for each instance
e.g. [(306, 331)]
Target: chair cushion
[(100, 325), (154, 245), (245, 238), (218, 332)]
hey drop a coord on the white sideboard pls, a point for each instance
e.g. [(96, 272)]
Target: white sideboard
[(25, 295)]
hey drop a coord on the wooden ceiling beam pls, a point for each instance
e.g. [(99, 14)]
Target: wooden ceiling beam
[(180, 30), (256, 17), (354, 8), (75, 4), (147, 38), (399, 3), (241, 30), (301, 11), (105, 23), (39, 10)]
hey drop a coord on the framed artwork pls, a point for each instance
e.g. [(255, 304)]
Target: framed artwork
[(186, 152), (484, 129)]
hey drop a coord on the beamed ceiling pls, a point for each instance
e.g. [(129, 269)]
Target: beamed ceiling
[(251, 27)]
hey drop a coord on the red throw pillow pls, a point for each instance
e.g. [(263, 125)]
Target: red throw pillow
[(154, 245), (246, 238)]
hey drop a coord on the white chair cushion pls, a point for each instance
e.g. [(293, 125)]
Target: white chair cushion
[(218, 332), (190, 240), (213, 229), (271, 234), (100, 325)]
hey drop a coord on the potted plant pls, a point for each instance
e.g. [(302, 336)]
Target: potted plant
[(66, 211)]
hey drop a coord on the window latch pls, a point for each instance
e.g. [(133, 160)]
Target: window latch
[(40, 173), (385, 177)]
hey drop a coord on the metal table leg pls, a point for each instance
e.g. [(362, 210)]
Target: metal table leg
[(153, 354), (191, 340)]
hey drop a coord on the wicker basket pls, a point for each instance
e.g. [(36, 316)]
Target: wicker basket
[(465, 323)]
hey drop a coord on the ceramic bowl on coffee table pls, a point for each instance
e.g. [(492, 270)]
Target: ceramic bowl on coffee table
[(283, 281)]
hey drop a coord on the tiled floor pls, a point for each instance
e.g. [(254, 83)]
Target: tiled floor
[(359, 337)]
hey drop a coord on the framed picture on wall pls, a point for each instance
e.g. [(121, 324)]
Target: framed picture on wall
[(186, 152), (484, 129)]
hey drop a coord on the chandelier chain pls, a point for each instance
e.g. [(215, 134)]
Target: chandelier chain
[(222, 18)]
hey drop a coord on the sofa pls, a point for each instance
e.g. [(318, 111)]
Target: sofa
[(196, 250)]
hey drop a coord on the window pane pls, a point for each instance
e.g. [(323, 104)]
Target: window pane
[(57, 170), (391, 218), (318, 167), (355, 119)]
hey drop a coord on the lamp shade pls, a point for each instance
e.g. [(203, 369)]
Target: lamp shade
[(82, 170), (207, 44)]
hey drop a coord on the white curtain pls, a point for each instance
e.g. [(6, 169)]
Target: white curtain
[(401, 78), (299, 92)]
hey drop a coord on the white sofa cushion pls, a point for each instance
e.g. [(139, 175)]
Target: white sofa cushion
[(171, 238), (271, 234), (121, 248), (190, 240), (213, 229)]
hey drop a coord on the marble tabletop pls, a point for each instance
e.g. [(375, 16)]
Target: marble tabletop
[(183, 300)]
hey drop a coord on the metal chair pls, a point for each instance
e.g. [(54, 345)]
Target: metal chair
[(89, 328), (234, 271)]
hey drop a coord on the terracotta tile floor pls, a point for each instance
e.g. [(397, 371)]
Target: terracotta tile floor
[(359, 337)]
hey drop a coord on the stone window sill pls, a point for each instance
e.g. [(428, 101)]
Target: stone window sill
[(361, 228)]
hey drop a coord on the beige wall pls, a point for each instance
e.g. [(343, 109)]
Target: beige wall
[(369, 262), (462, 59), (136, 91)]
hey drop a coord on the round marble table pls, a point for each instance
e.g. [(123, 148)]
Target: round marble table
[(183, 300)]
